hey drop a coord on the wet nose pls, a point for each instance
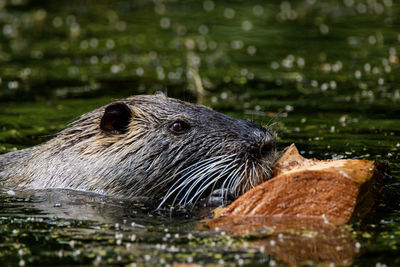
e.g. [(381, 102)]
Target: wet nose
[(267, 148)]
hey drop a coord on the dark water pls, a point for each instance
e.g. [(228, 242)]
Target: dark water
[(324, 74)]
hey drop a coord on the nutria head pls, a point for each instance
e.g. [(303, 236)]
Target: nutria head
[(152, 146)]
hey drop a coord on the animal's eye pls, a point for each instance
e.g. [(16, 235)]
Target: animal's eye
[(179, 127)]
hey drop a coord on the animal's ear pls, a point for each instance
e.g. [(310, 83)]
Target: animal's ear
[(116, 118)]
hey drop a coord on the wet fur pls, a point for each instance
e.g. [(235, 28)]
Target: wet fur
[(148, 160)]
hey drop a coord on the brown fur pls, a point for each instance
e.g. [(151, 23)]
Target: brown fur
[(148, 159)]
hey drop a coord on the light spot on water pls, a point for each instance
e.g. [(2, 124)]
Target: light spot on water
[(289, 108), (361, 8), (247, 25), (324, 29), (94, 42), (208, 5), (13, 85), (84, 44), (301, 62), (258, 10), (237, 44), (203, 29), (212, 45), (288, 62), (133, 238), (372, 39), (229, 13), (120, 26), (274, 65), (9, 31), (165, 23), (349, 3), (57, 22), (387, 3), (251, 50), (190, 44), (117, 68), (94, 60), (159, 8), (314, 83), (147, 257), (140, 71), (74, 30), (357, 74), (110, 44)]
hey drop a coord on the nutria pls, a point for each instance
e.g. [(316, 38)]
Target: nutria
[(149, 146)]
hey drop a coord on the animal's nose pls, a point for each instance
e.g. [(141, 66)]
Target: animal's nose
[(267, 148)]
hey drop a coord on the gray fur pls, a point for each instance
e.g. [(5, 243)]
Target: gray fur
[(148, 160)]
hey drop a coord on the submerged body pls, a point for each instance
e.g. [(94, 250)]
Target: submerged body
[(148, 146)]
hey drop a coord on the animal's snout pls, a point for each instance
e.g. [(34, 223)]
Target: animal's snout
[(267, 148)]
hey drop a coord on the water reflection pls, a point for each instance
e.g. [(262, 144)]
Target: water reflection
[(294, 240)]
